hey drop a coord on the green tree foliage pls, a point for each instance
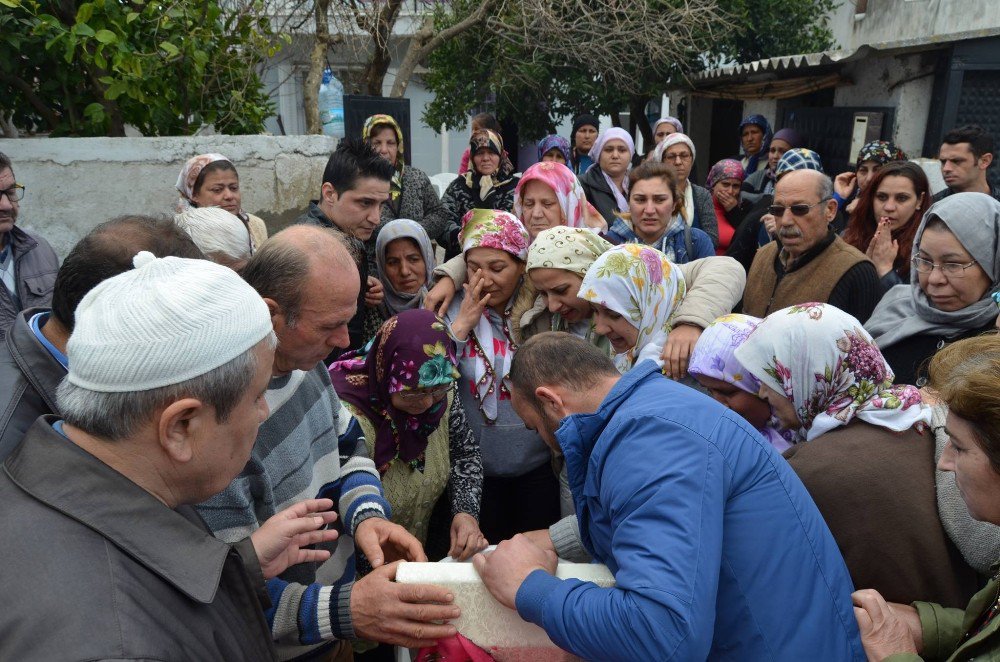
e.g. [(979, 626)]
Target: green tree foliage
[(90, 68), (534, 87)]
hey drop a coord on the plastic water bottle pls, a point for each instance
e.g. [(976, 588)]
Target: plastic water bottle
[(331, 105)]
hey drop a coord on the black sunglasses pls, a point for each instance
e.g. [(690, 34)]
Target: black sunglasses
[(797, 210)]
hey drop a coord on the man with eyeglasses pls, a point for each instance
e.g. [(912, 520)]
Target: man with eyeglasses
[(28, 265), (808, 261)]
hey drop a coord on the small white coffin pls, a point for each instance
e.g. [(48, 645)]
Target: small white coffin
[(486, 622)]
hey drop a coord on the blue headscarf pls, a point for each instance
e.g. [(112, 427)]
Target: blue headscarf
[(754, 159), (550, 141)]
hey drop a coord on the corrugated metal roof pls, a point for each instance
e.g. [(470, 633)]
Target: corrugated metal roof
[(800, 63)]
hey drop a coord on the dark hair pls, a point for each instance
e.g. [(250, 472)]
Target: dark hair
[(352, 160), (214, 166), (965, 375), (980, 142), (5, 162), (863, 223), (558, 358), (107, 251), (654, 170), (487, 121)]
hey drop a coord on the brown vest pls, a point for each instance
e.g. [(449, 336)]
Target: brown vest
[(813, 281)]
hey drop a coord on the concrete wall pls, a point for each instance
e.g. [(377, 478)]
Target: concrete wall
[(896, 20), (75, 183)]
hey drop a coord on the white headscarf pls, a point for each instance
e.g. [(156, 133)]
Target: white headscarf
[(667, 143), (614, 133)]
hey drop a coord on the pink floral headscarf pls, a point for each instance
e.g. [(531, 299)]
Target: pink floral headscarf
[(189, 175), (824, 361), (492, 228), (576, 210)]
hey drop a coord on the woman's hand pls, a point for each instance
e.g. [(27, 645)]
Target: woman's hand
[(883, 249), (727, 200), (677, 351), (472, 307), (886, 629), (770, 224), (375, 292), (466, 538), (279, 541), (439, 297), (844, 184)]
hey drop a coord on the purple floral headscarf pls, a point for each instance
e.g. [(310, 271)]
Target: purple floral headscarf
[(725, 169), (824, 361), (411, 350)]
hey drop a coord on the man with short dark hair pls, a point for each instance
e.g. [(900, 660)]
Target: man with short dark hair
[(717, 550), (28, 264), (808, 261), (355, 184), (33, 355), (966, 154)]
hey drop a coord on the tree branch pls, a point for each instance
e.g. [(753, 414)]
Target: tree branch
[(50, 116)]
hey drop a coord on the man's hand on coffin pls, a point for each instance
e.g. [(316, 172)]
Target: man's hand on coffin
[(504, 569)]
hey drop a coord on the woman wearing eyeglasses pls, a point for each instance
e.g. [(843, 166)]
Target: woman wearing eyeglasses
[(954, 273), (401, 390)]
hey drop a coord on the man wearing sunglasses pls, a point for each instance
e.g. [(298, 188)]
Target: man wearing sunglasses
[(28, 265), (807, 261)]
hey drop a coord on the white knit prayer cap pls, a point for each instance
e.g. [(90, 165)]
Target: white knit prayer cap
[(166, 321), (215, 230)]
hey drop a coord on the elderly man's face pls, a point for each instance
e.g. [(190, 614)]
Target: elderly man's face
[(798, 234), (329, 301), (8, 208)]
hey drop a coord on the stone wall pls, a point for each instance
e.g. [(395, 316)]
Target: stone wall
[(75, 183)]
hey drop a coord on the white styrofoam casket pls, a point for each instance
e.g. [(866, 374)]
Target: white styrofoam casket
[(487, 623)]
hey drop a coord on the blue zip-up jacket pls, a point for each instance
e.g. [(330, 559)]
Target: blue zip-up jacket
[(717, 549)]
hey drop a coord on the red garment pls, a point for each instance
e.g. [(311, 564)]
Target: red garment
[(726, 231), (454, 649)]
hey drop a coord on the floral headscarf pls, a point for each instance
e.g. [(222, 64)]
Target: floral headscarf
[(881, 152), (484, 184), (189, 175), (828, 366), (714, 356), (569, 249), (753, 160), (403, 228), (725, 169), (546, 144), (639, 283), (377, 121), (577, 211), (411, 350), (492, 228)]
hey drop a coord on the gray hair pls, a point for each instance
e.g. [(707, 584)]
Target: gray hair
[(824, 185), (216, 231), (118, 416), (558, 358)]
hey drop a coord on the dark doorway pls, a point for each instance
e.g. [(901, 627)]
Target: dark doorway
[(725, 138)]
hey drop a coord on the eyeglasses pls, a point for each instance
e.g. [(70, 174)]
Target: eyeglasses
[(435, 393), (949, 269), (677, 157), (15, 193), (797, 210)]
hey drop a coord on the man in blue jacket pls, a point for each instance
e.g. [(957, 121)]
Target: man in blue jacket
[(717, 550)]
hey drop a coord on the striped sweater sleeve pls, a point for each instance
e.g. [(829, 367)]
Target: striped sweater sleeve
[(359, 492)]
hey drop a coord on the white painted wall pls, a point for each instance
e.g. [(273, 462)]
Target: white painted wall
[(897, 20), (72, 184)]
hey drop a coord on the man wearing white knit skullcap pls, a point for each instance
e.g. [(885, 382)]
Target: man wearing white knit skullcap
[(221, 236), (168, 364)]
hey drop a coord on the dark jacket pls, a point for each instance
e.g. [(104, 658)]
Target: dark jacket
[(35, 267), (458, 198), (97, 568), (892, 539), (29, 376), (356, 327), (909, 357), (599, 194), (704, 212)]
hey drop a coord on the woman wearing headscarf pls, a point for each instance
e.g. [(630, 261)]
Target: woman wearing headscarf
[(755, 142), (211, 180), (677, 153), (634, 291), (401, 390), (864, 438), (488, 183), (606, 181), (662, 128), (724, 181), (886, 219), (585, 130), (954, 273), (554, 148), (520, 490), (872, 156), (404, 260), (761, 183), (411, 194)]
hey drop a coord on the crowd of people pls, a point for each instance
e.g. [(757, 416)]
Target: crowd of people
[(769, 405)]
